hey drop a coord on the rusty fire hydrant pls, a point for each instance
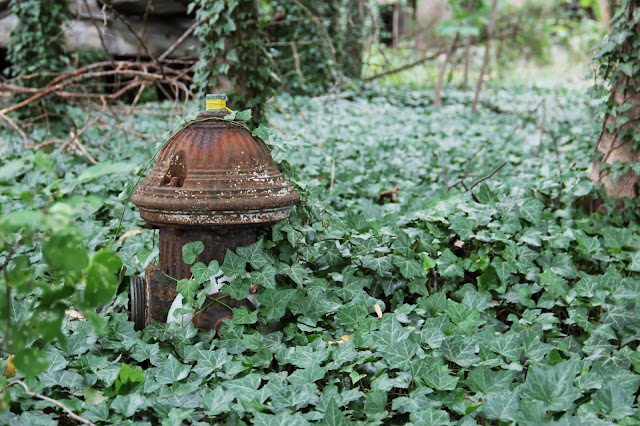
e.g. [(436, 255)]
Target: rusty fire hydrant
[(213, 182)]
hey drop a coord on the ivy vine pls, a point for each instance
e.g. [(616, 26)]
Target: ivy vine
[(618, 60), (37, 43), (232, 54)]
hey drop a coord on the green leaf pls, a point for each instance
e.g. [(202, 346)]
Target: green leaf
[(398, 355), (484, 379), (101, 278), (439, 378), (635, 262), (261, 132), (172, 371), (409, 268), (244, 115), (552, 385), (217, 401), (243, 316), (460, 350), (266, 277), (381, 265), (202, 273), (190, 251), (501, 406), (209, 361), (333, 416), (430, 417), (448, 265), (104, 168), (128, 405), (233, 265), (65, 254), (30, 361), (531, 210), (189, 289), (254, 254), (613, 401)]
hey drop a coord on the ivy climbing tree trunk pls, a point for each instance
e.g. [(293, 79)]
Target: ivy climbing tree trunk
[(350, 54), (617, 160), (232, 57)]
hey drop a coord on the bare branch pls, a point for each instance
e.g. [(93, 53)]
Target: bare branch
[(479, 181), (70, 413), (485, 59)]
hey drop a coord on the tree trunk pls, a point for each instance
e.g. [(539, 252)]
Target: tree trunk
[(352, 41), (621, 129), (616, 145)]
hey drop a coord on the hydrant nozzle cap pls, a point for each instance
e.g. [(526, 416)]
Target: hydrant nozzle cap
[(216, 102)]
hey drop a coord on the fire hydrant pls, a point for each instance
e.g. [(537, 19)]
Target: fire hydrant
[(212, 182)]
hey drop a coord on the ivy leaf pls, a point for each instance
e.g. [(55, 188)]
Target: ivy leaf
[(502, 406), (552, 385), (430, 416), (190, 251), (531, 210), (243, 316), (128, 405), (188, 289), (409, 268), (202, 273), (210, 361), (253, 254), (333, 416), (484, 379), (217, 401), (613, 401), (635, 262), (233, 265), (381, 265), (172, 371), (448, 265), (261, 132), (460, 350), (266, 277), (244, 115)]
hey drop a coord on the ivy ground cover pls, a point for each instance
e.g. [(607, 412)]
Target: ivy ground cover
[(440, 269)]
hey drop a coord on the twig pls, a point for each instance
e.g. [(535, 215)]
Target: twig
[(17, 128), (333, 175), (485, 59), (555, 149), (100, 36), (479, 181), (70, 413), (333, 97), (296, 61), (444, 173), (437, 101), (407, 66), (180, 40), (542, 127), (466, 172), (294, 42)]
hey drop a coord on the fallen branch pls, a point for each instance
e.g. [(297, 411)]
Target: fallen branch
[(407, 66), (479, 181), (70, 413)]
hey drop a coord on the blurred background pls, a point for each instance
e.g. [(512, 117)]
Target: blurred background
[(255, 49)]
